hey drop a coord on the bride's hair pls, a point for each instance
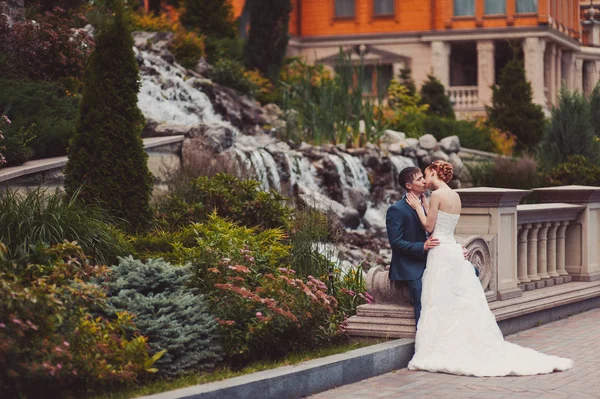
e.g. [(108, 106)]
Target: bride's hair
[(444, 170)]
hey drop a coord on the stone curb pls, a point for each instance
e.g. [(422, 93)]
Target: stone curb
[(306, 378)]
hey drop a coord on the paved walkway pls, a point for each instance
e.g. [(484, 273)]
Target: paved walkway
[(577, 337)]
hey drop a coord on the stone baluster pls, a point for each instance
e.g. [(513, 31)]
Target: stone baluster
[(522, 254), (532, 251), (560, 253), (551, 255), (542, 246)]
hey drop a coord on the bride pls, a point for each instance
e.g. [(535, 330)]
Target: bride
[(457, 332)]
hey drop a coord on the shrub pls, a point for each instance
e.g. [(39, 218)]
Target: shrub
[(517, 173), (474, 135), (570, 132), (350, 290), (38, 217), (264, 91), (504, 142), (148, 21), (224, 47), (595, 108), (433, 93), (17, 145), (43, 115), (512, 107), (211, 17), (48, 48), (576, 170), (50, 341), (407, 81), (309, 229), (3, 121), (229, 197), (187, 48), (232, 74), (106, 156), (268, 36), (172, 317)]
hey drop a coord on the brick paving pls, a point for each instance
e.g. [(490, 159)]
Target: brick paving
[(577, 337)]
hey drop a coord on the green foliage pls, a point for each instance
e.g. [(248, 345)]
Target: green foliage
[(187, 48), (433, 93), (407, 81), (517, 173), (106, 155), (224, 47), (172, 317), (321, 109), (350, 290), (231, 73), (405, 112), (268, 36), (595, 108), (230, 197), (472, 135), (309, 228), (38, 218), (50, 340), (512, 108), (211, 17), (570, 132), (47, 110), (576, 170)]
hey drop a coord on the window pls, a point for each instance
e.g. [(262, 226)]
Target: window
[(464, 8), (344, 8), (525, 6), (367, 79), (375, 79), (495, 7), (383, 7)]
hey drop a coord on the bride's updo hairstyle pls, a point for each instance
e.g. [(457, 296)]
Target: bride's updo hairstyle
[(444, 170)]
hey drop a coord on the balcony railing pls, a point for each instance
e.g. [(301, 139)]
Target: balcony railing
[(464, 98)]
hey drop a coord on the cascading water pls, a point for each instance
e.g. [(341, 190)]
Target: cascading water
[(360, 177)]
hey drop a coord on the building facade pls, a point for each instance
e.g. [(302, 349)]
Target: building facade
[(464, 43)]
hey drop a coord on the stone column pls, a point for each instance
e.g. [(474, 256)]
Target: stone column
[(578, 76), (567, 70), (551, 255), (559, 68), (440, 61), (522, 254), (591, 76), (533, 49), (552, 86), (485, 71), (532, 252), (582, 241), (560, 251), (542, 251), (493, 212)]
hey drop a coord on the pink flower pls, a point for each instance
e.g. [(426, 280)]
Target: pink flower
[(259, 314), (65, 343), (17, 322), (2, 325), (59, 366)]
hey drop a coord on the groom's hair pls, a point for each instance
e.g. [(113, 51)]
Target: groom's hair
[(407, 176)]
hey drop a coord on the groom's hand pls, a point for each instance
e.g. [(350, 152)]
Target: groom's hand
[(431, 243)]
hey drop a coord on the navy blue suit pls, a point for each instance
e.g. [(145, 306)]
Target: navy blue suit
[(407, 238)]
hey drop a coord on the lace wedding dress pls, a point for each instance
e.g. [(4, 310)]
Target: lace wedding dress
[(457, 331)]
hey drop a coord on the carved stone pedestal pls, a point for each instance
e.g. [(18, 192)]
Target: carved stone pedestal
[(391, 317)]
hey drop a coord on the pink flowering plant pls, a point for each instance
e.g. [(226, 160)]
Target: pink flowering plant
[(3, 121), (52, 337)]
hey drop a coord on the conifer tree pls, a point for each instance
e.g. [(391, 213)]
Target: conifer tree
[(106, 155), (214, 18), (595, 108), (433, 93), (407, 81), (512, 107), (570, 132), (268, 36)]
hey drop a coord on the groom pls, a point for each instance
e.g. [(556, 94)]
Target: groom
[(408, 238)]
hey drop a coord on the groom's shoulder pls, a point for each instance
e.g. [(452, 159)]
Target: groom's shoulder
[(397, 206)]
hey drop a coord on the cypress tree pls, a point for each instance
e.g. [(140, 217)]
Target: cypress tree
[(268, 36), (512, 107), (106, 155), (433, 93), (214, 18)]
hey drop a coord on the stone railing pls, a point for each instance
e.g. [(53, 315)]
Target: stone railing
[(464, 97), (517, 248)]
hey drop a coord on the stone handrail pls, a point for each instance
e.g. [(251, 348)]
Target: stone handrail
[(464, 97)]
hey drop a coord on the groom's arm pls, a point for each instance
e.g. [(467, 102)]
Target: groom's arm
[(395, 230)]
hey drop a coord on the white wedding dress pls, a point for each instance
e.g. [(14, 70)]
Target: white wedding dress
[(457, 331)]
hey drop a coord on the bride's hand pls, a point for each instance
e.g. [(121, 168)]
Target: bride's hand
[(413, 201)]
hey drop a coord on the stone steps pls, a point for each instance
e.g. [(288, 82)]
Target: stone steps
[(384, 321)]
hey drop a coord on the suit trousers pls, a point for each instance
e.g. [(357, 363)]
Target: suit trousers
[(415, 288)]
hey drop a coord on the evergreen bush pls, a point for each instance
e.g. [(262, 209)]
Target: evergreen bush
[(512, 107), (595, 109), (212, 18), (232, 74), (406, 80), (268, 36), (434, 94), (106, 155), (577, 170), (570, 132), (173, 317)]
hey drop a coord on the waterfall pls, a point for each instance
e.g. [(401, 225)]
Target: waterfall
[(399, 162), (271, 166), (260, 169), (360, 177)]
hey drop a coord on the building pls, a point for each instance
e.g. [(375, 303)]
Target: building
[(464, 43)]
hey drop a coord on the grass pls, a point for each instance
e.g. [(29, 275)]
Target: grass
[(225, 373)]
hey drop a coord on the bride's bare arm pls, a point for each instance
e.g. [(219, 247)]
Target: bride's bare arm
[(428, 221)]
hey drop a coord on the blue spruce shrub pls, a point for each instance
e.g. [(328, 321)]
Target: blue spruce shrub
[(172, 316)]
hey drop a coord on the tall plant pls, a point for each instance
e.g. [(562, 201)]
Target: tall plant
[(268, 36), (595, 109), (106, 156)]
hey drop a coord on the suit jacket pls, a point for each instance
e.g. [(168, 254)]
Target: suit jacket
[(407, 238)]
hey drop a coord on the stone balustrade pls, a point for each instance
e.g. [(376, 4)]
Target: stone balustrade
[(525, 254), (464, 97)]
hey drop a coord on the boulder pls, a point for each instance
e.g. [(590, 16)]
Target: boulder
[(349, 217), (427, 142), (457, 164), (439, 156), (450, 144), (391, 137), (397, 147), (357, 199)]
